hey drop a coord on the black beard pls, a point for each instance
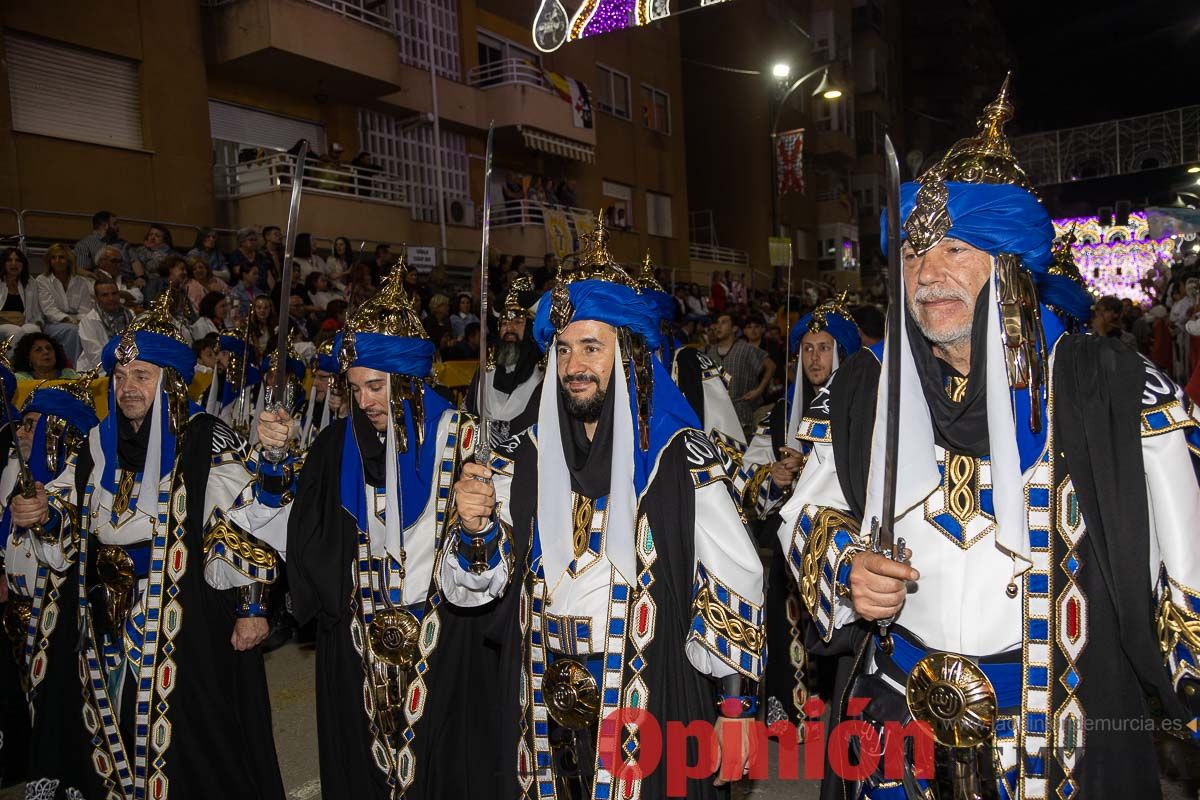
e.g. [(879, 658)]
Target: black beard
[(585, 410), (508, 353)]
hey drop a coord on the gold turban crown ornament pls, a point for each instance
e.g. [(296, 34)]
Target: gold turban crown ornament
[(513, 307), (645, 280), (390, 311), (158, 318), (839, 305)]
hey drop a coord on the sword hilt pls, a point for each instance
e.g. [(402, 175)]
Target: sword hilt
[(25, 484), (885, 636)]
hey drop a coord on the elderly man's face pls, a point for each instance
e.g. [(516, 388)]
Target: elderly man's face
[(107, 297), (585, 351), (134, 385), (512, 330), (816, 356), (941, 287)]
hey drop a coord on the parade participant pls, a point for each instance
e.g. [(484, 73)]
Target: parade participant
[(14, 712), (39, 619), (230, 395), (763, 478), (402, 676), (171, 592), (626, 555), (324, 395), (1047, 497), (514, 379)]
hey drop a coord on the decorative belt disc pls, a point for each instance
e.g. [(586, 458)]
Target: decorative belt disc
[(572, 697), (954, 697), (393, 633)]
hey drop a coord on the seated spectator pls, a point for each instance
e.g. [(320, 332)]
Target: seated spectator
[(202, 282), (63, 297), (106, 230), (298, 317), (108, 318), (245, 291), (467, 348), (382, 265), (335, 319), (206, 249), (108, 263), (338, 265), (206, 352), (248, 255), (147, 259), (264, 323), (273, 252), (463, 316), (437, 324), (305, 261), (567, 195), (213, 316), (696, 306), (320, 291), (19, 310), (41, 358), (362, 288)]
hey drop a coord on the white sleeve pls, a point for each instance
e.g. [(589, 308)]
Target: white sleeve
[(467, 587), (52, 310), (62, 551)]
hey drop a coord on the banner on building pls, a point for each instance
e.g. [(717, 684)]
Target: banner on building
[(779, 251), (558, 232), (789, 161), (574, 92), (585, 224)]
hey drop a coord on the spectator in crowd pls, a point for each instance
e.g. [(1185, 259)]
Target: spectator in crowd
[(147, 259), (466, 348), (108, 261), (463, 315), (175, 277), (567, 195), (264, 323), (754, 331), (106, 319), (206, 248), (246, 290), (320, 291), (545, 273), (247, 254), (106, 230), (1162, 346), (213, 316), (202, 281), (298, 317), (206, 352), (681, 301), (437, 325), (305, 260), (361, 287), (41, 358), (718, 293), (382, 264), (338, 265), (750, 369), (1106, 321), (335, 318), (696, 306), (63, 296), (869, 320), (19, 310), (273, 250)]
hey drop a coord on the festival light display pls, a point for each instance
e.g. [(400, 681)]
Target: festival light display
[(1115, 259), (553, 27)]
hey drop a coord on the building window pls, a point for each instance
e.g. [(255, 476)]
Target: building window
[(493, 48), (823, 36), (618, 201), (656, 109), (425, 48), (71, 93), (405, 151), (658, 214), (612, 92)]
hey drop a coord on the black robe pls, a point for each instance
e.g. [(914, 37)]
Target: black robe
[(455, 738), (678, 692), (221, 742), (1098, 384)]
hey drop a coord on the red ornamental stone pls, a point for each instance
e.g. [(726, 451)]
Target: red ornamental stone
[(628, 789), (643, 620), (166, 676), (1073, 619), (468, 435), (37, 669), (415, 700), (178, 560)]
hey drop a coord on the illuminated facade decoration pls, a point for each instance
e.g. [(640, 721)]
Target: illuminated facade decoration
[(1116, 259), (551, 29)]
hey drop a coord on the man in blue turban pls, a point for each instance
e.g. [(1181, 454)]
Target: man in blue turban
[(608, 533), (1046, 490), (361, 531), (170, 591)]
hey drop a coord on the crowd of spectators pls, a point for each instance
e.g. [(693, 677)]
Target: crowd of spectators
[(539, 189)]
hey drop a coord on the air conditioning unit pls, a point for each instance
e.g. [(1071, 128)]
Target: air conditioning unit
[(460, 211)]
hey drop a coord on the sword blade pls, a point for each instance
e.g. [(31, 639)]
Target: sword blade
[(887, 532), (289, 247), (483, 443)]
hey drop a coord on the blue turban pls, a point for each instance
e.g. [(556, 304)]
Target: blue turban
[(603, 301), (58, 402), (843, 331), (663, 302), (328, 363), (994, 217), (155, 348), (295, 367), (400, 355)]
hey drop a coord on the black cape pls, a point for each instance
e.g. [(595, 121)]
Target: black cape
[(456, 735)]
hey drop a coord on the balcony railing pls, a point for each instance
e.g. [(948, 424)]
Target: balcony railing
[(518, 213), (506, 73), (719, 255), (376, 13), (278, 171)]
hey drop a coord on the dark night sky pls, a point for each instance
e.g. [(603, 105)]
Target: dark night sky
[(1081, 62)]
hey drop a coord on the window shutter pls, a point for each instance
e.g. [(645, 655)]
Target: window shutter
[(250, 127), (64, 91)]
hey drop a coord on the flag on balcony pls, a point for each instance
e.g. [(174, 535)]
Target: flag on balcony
[(585, 224), (558, 232), (575, 93), (789, 161)]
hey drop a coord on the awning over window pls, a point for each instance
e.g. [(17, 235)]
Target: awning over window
[(557, 145)]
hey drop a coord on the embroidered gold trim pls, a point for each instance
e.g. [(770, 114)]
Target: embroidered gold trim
[(961, 497), (716, 616), (225, 534), (124, 492), (584, 509), (824, 523), (1175, 624)]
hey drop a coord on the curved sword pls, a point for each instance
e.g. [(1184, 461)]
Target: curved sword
[(483, 439)]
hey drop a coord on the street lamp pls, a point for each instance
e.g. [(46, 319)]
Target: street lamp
[(781, 71), (1193, 169), (826, 89)]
